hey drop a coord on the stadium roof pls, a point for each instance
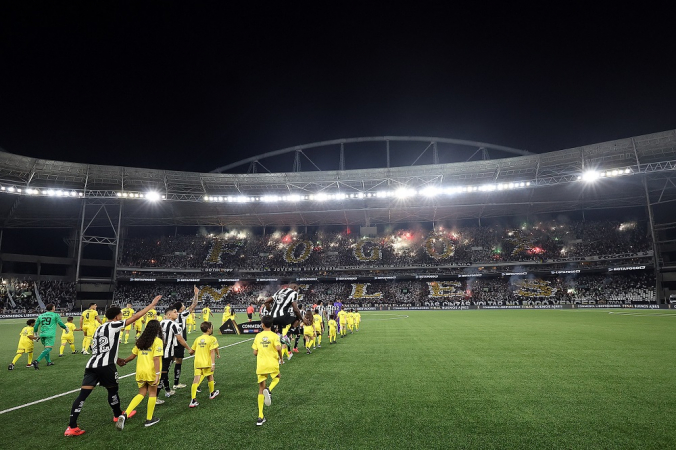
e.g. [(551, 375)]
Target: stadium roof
[(46, 193)]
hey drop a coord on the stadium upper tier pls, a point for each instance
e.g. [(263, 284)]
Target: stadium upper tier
[(289, 251), (44, 193)]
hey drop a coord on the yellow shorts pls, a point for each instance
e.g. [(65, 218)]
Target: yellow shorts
[(89, 330), (310, 333), (141, 383), (70, 340), (332, 332), (138, 325), (264, 376), (203, 372), (25, 349), (128, 327)]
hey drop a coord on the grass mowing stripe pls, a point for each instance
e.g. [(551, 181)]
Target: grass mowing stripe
[(75, 390)]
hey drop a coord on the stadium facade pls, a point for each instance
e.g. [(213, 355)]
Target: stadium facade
[(100, 203)]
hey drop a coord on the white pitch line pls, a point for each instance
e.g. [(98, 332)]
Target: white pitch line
[(76, 390)]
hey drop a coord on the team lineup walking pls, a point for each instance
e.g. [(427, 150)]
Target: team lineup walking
[(159, 344)]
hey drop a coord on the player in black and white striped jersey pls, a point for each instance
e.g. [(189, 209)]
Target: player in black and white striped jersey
[(172, 337), (283, 308), (179, 350), (100, 368)]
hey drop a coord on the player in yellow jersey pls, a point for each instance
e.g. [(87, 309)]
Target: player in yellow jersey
[(227, 313), (205, 348), (26, 344), (357, 319), (126, 314), (309, 332), (319, 328), (152, 315), (190, 321), (350, 321), (68, 337), (333, 326), (268, 351), (138, 327), (342, 320), (206, 314), (104, 319), (88, 322), (149, 351)]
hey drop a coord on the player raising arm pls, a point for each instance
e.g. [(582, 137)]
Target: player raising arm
[(182, 321), (100, 368)]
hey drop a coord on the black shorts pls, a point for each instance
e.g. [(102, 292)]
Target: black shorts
[(250, 316), (179, 351), (106, 376), (284, 321), (166, 362)]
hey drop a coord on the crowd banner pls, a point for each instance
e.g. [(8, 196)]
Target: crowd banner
[(38, 296), (11, 300), (290, 278)]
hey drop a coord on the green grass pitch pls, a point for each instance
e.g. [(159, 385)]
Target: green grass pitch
[(410, 379)]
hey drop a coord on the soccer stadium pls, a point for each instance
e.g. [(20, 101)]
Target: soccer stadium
[(508, 299)]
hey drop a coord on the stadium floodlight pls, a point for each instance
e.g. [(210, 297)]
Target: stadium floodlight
[(153, 196), (382, 194), (11, 189), (321, 196), (404, 193), (590, 176), (627, 170), (430, 191), (269, 198)]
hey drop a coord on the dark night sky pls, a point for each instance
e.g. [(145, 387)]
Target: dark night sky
[(186, 86)]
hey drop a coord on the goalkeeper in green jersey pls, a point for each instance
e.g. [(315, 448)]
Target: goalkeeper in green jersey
[(47, 323)]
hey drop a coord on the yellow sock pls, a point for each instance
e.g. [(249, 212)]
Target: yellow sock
[(211, 386), (134, 403), (285, 352), (285, 330), (30, 357), (319, 339), (261, 401), (72, 348), (61, 350), (275, 382), (151, 407), (193, 390), (16, 358), (126, 338)]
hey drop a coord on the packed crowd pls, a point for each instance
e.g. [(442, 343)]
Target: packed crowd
[(544, 241), (518, 290), (18, 296)]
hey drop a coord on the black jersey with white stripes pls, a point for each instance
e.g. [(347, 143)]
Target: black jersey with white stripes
[(105, 344)]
